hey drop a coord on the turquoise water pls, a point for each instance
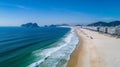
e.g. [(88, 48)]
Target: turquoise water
[(32, 47)]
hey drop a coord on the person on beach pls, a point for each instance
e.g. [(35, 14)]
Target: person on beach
[(91, 37)]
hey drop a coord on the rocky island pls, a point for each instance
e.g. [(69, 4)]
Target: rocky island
[(30, 25)]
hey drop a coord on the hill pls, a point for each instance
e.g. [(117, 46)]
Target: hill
[(101, 23), (30, 25)]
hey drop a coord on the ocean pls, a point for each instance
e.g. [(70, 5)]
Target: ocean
[(36, 47)]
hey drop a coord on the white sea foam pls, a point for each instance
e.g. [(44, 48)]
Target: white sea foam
[(66, 45)]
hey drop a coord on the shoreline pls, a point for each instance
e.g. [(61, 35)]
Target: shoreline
[(74, 58), (61, 47), (74, 55), (84, 55)]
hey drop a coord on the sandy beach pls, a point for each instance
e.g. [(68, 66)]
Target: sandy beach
[(95, 50)]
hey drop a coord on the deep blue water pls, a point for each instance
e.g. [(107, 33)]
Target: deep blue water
[(17, 44)]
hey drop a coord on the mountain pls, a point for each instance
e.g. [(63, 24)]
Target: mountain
[(78, 25), (56, 25), (101, 23), (30, 25), (114, 23)]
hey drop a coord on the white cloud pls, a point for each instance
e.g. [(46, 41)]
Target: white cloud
[(13, 5), (22, 7)]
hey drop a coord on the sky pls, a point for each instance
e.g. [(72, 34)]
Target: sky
[(45, 12)]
